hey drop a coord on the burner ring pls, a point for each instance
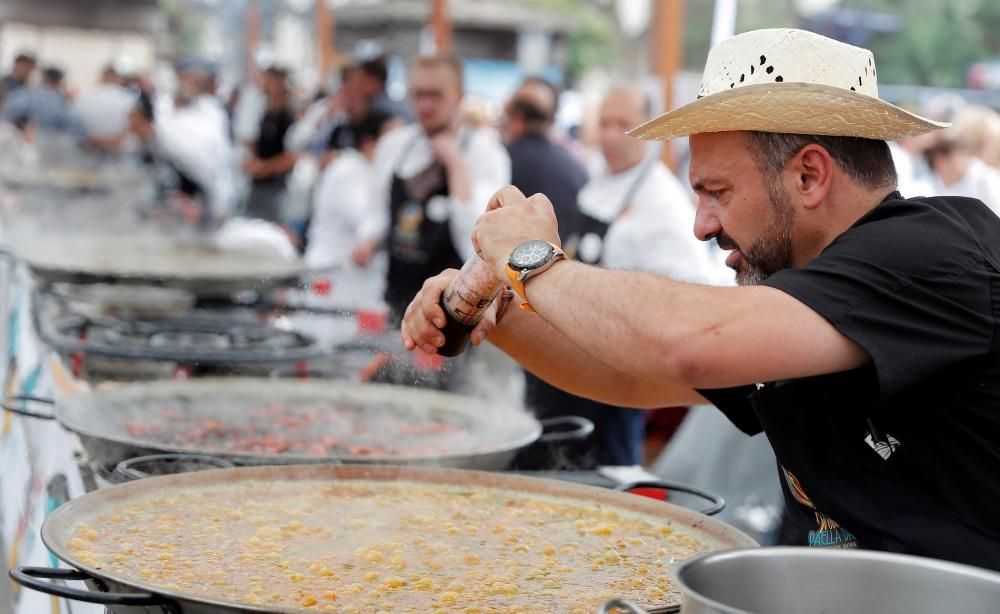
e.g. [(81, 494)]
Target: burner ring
[(196, 338)]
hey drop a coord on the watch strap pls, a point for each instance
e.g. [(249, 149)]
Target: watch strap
[(517, 285), (504, 304), (517, 278)]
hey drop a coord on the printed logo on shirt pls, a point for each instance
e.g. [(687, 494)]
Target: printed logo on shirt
[(406, 234), (884, 448), (828, 533)]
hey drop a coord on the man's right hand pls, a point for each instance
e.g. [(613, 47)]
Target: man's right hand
[(361, 254), (422, 322)]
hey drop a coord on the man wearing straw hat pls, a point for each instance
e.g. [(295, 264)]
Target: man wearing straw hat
[(863, 339)]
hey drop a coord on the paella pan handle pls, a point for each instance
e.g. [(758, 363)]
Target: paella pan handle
[(716, 502), (565, 428), (140, 467), (9, 402), (616, 606), (619, 606), (35, 578)]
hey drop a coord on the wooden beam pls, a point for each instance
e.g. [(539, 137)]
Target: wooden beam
[(252, 38), (326, 50), (667, 48), (440, 22)]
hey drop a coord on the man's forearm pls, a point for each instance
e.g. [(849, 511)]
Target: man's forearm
[(459, 180), (550, 355), (281, 164), (651, 328), (638, 322)]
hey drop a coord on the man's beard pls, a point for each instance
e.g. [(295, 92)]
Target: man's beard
[(772, 251), (436, 129)]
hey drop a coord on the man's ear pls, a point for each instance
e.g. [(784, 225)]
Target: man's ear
[(812, 170)]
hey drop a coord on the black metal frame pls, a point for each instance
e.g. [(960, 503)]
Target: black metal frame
[(7, 404), (34, 578), (717, 502), (55, 335)]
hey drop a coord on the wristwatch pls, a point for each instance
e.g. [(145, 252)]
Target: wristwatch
[(527, 260)]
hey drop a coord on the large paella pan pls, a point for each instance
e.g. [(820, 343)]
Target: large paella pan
[(271, 421), (370, 538)]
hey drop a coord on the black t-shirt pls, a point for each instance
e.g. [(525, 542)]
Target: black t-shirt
[(271, 138), (341, 137), (902, 454)]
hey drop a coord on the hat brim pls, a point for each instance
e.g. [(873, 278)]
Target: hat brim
[(795, 108)]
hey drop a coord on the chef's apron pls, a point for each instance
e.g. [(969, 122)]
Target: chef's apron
[(618, 433), (420, 244)]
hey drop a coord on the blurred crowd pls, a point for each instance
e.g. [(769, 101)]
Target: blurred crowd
[(382, 193)]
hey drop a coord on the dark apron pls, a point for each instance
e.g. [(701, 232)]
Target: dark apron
[(420, 244), (619, 432)]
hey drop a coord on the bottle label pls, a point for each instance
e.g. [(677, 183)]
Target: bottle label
[(471, 292)]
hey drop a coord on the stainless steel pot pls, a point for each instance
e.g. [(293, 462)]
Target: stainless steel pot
[(127, 596), (819, 581), (491, 434)]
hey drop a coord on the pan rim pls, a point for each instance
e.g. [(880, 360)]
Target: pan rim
[(532, 430), (43, 264)]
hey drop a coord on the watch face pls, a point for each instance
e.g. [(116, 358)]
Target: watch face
[(531, 255)]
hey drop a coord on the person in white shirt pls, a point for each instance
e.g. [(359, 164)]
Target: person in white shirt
[(340, 206), (188, 137), (324, 129), (640, 213), (431, 181), (915, 177), (104, 110), (958, 170), (635, 215)]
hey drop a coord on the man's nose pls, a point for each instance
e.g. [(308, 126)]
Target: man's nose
[(706, 222)]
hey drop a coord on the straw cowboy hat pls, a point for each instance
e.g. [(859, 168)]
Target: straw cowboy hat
[(789, 81)]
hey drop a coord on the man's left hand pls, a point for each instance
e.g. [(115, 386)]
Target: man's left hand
[(510, 220)]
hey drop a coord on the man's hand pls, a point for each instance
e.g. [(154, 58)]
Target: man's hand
[(510, 220), (328, 157), (446, 147), (336, 104), (422, 322), (362, 253), (254, 167)]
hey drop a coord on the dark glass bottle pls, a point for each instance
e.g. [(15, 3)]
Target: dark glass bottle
[(456, 334), (464, 302)]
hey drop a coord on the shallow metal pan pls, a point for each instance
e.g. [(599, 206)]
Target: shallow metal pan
[(188, 263), (496, 433), (125, 596)]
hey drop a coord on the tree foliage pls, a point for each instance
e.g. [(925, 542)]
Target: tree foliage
[(593, 42), (185, 29), (938, 41), (935, 46)]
